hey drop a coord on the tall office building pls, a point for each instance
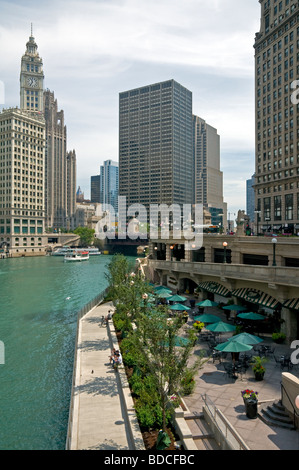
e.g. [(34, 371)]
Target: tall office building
[(277, 136), (155, 144), (109, 184), (208, 179), (71, 165), (95, 189), (60, 194), (22, 163), (250, 205)]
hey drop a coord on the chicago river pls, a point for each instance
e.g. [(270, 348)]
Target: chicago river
[(40, 299)]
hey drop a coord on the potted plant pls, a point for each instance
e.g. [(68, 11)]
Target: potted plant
[(250, 398), (278, 337), (198, 325), (258, 367)]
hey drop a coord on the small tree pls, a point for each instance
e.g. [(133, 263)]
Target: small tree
[(86, 235), (160, 349)]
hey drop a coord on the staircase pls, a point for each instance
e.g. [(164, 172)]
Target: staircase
[(276, 415), (201, 433)]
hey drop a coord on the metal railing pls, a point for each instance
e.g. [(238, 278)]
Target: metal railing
[(89, 306), (231, 437)]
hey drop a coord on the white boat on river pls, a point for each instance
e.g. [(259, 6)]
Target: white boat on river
[(77, 256)]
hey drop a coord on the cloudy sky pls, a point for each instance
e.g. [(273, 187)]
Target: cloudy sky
[(94, 49)]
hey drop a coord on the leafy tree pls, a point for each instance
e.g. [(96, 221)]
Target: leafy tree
[(86, 235)]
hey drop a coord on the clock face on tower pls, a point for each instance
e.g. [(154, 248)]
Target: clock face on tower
[(32, 82)]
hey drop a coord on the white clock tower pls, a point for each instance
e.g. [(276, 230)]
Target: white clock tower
[(31, 78)]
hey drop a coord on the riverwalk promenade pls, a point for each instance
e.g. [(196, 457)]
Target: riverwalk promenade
[(101, 416), (102, 412)]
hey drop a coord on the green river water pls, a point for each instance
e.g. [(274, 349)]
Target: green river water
[(39, 302)]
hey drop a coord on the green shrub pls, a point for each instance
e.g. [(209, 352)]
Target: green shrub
[(188, 383), (278, 337)]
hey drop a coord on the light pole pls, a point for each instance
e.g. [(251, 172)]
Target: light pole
[(224, 251), (274, 241)]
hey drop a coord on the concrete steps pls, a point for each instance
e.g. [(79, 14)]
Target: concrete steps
[(201, 433), (276, 415)]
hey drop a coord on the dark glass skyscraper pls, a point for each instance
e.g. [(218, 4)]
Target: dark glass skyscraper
[(155, 145)]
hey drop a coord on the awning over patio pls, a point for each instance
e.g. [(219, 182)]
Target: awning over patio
[(293, 304), (215, 288), (256, 297)]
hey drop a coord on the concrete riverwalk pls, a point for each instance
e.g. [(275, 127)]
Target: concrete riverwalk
[(101, 417)]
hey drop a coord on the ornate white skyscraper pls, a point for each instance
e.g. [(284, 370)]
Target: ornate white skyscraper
[(31, 78)]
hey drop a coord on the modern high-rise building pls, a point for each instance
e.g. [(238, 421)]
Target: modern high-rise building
[(109, 184), (95, 189), (155, 145), (208, 179), (250, 205), (22, 163), (277, 113)]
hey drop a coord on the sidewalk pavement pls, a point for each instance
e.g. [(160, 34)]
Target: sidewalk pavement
[(99, 421), (226, 395)]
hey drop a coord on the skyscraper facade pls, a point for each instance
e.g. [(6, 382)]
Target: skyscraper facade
[(109, 184), (95, 189), (208, 179), (277, 113), (155, 144), (22, 163)]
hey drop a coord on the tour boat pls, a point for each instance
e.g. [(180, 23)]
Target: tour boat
[(77, 256)]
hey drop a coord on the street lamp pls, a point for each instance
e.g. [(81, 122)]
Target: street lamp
[(274, 241), (224, 253)]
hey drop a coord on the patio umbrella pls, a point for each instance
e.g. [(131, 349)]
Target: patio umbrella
[(234, 307), (177, 298), (159, 288), (233, 347), (246, 338), (207, 303), (221, 327), (163, 294), (251, 316), (179, 307), (207, 318)]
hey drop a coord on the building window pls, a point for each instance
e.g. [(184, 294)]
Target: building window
[(277, 207), (289, 206)]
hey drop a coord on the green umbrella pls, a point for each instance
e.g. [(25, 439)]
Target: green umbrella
[(246, 338), (163, 294), (234, 307), (251, 316), (177, 298), (207, 303), (221, 327), (159, 288), (179, 307), (233, 347), (207, 318)]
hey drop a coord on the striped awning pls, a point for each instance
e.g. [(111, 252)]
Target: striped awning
[(215, 288), (293, 304), (256, 296)]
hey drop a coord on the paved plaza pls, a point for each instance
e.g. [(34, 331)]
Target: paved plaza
[(225, 393)]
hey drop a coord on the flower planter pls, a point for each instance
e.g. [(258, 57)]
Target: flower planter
[(251, 408)]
